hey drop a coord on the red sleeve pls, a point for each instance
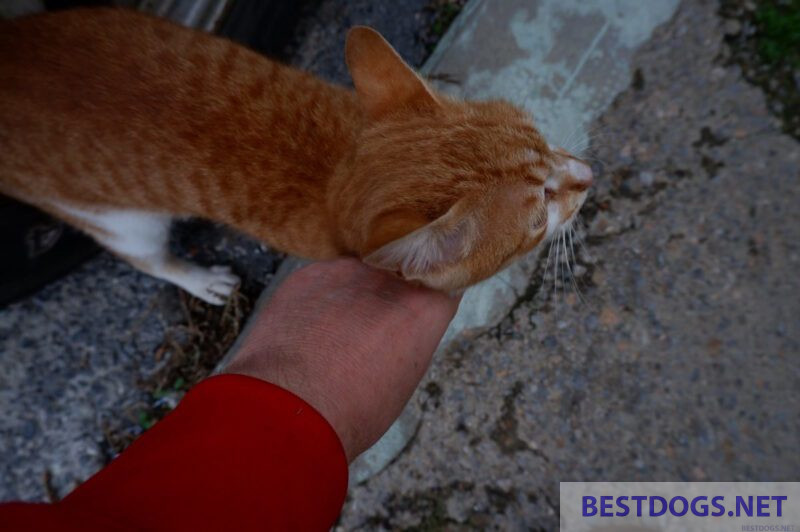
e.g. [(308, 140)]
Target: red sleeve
[(237, 454)]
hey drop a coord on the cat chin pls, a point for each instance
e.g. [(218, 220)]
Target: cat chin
[(553, 219)]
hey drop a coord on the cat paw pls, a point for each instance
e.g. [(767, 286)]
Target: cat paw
[(213, 285)]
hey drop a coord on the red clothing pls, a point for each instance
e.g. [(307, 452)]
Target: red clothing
[(237, 454)]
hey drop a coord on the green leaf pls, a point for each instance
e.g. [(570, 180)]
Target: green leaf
[(145, 421)]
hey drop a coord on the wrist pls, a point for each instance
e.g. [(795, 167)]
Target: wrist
[(293, 379)]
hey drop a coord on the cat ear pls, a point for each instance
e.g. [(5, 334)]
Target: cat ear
[(445, 241), (383, 81)]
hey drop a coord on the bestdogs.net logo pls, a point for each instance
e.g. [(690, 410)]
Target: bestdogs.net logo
[(653, 506), (678, 506)]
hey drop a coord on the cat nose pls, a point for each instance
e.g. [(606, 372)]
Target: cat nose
[(581, 172)]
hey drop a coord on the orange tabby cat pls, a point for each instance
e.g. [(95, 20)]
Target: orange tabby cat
[(118, 122)]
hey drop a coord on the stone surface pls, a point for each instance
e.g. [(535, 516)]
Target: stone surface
[(73, 356), (320, 36), (54, 408)]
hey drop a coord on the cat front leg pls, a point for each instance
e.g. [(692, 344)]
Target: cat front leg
[(142, 238)]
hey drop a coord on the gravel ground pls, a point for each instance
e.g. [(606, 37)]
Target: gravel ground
[(681, 361), (75, 355), (319, 38), (79, 358)]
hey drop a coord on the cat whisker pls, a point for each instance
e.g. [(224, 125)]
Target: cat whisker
[(579, 238), (593, 146), (564, 258), (568, 139), (546, 265), (585, 142), (587, 147), (575, 138), (571, 140), (556, 268), (571, 272), (594, 157), (596, 131), (579, 145)]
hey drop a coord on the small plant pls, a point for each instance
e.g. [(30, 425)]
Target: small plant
[(778, 27), (193, 347), (146, 420), (442, 13), (765, 42), (444, 17)]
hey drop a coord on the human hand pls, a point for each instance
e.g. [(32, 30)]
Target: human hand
[(351, 341)]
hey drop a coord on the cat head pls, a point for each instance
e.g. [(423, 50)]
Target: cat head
[(441, 191)]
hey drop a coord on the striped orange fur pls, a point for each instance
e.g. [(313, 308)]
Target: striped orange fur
[(117, 121)]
